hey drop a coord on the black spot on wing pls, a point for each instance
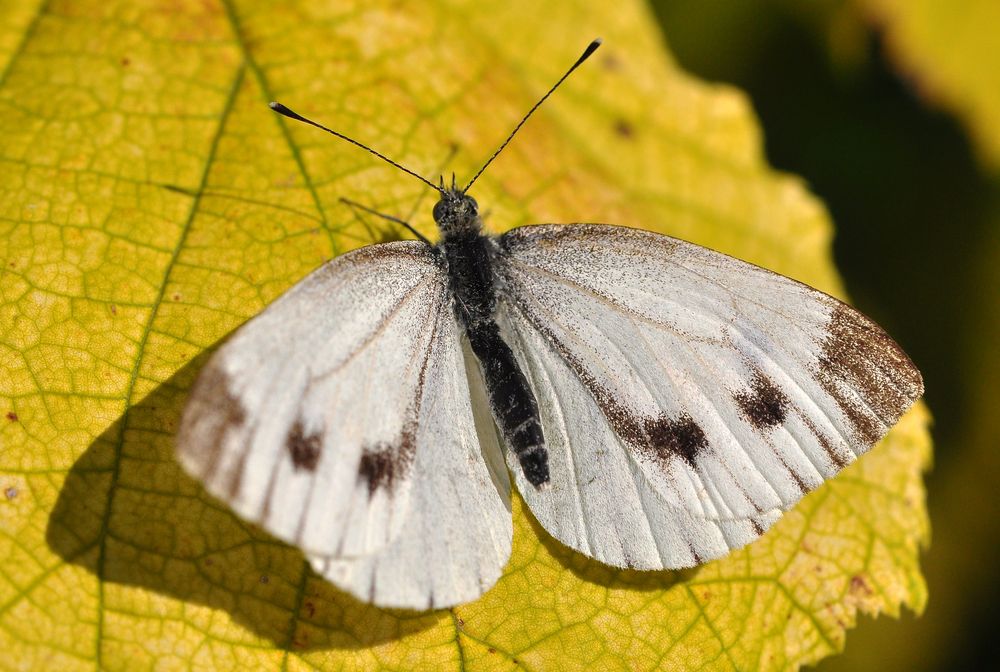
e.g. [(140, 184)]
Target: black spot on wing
[(384, 464), (304, 449), (378, 466), (763, 404), (859, 356), (674, 437), (660, 438)]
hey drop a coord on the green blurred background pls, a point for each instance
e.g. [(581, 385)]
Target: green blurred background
[(915, 198)]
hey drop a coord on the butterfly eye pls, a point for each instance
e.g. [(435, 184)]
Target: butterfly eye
[(475, 206), (439, 210)]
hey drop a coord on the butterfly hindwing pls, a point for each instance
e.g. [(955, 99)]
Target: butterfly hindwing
[(687, 397), (457, 538)]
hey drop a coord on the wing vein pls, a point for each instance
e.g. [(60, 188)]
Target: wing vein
[(742, 331), (420, 392), (789, 319), (712, 404), (376, 331), (629, 453), (576, 492)]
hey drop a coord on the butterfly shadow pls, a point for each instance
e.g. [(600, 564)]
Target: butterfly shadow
[(129, 514), (592, 571)]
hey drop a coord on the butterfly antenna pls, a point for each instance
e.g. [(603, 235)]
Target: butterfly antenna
[(282, 110), (591, 48)]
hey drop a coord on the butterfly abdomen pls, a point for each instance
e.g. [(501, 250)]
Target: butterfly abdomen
[(473, 285), (513, 403)]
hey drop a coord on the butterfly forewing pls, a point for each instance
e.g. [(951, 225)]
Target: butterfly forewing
[(687, 397), (308, 420)]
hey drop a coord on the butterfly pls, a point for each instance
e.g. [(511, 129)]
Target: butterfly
[(656, 403)]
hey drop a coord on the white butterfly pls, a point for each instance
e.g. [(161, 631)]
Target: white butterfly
[(658, 403)]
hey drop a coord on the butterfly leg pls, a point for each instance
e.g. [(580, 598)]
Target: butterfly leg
[(397, 220)]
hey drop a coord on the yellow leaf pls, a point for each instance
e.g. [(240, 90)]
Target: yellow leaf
[(949, 51), (151, 203)]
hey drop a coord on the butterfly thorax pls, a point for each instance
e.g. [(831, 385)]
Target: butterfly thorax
[(469, 257)]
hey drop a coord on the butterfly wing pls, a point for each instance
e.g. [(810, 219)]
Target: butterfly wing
[(688, 398), (458, 538), (329, 418)]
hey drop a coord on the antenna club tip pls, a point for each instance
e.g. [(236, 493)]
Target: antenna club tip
[(284, 111)]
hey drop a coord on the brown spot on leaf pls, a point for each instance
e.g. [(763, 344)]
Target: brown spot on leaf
[(304, 449), (624, 129), (611, 62), (858, 355), (763, 405), (12, 416), (679, 437), (859, 586), (10, 493)]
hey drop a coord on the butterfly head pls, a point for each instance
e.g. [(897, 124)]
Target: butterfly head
[(456, 213)]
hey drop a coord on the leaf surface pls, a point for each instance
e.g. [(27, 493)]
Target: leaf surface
[(151, 203), (949, 51)]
